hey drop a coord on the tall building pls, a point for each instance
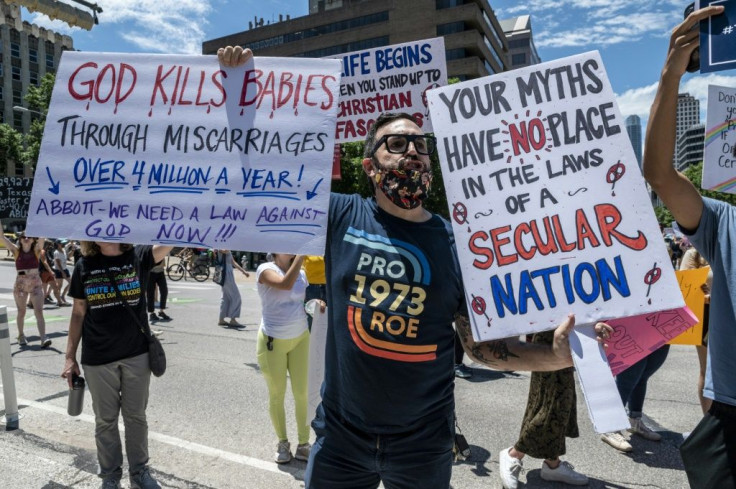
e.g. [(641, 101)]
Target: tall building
[(688, 114), (689, 147), (633, 128), (474, 41), (522, 51), (28, 53)]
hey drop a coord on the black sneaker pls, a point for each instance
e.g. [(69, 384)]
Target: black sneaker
[(152, 318), (163, 316)]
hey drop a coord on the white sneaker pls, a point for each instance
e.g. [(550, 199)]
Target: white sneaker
[(639, 428), (563, 473), (283, 452), (617, 441), (510, 469)]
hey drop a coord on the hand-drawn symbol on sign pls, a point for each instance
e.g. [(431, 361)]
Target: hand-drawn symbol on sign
[(652, 276), (614, 174), (581, 189), (479, 307), (490, 211), (460, 214)]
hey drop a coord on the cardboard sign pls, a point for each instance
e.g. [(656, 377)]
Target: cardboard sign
[(15, 197), (388, 79), (719, 156), (549, 209), (691, 285), (636, 337), (718, 38), (178, 150)]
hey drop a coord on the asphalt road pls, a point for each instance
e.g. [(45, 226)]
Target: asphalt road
[(209, 424)]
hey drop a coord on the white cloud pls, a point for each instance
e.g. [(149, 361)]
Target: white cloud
[(166, 26)]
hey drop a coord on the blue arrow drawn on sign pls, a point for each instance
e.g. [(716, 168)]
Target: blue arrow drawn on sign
[(313, 193), (54, 189)]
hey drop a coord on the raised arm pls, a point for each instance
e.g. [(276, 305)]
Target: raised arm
[(273, 279), (8, 244), (676, 191), (512, 354)]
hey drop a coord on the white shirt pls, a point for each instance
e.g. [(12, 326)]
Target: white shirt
[(61, 257), (282, 311)]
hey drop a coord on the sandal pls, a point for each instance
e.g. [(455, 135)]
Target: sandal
[(222, 322)]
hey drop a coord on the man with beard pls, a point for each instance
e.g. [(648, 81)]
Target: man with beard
[(394, 289)]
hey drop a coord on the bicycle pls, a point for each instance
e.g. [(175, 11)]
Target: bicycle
[(198, 271)]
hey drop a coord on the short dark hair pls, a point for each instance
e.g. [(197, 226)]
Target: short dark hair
[(383, 119)]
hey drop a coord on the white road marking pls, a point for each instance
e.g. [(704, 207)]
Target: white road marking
[(183, 444)]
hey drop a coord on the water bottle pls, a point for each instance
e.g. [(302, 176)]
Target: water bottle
[(76, 396)]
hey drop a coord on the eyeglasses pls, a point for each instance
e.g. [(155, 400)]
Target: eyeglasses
[(399, 143), (24, 237)]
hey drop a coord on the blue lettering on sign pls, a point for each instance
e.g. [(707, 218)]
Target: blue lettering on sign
[(587, 281)]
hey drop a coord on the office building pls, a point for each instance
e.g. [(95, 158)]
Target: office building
[(689, 147), (28, 53), (518, 32), (633, 128), (474, 41), (688, 115)]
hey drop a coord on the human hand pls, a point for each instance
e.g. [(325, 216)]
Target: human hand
[(232, 57), (71, 368), (561, 343), (322, 305), (684, 40)]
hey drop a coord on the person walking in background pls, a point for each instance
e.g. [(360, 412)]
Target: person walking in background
[(230, 303), (632, 387), (551, 415), (283, 346), (157, 278), (61, 270), (114, 352), (691, 260), (48, 278), (314, 267), (27, 283)]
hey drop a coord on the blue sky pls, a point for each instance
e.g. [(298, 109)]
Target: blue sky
[(632, 35)]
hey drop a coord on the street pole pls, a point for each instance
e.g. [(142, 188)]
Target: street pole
[(6, 365)]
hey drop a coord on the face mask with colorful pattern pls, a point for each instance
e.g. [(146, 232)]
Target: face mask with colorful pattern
[(405, 188)]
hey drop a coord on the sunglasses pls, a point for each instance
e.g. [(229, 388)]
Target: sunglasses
[(399, 143)]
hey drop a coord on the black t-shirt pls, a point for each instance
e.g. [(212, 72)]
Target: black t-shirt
[(109, 331), (393, 289)]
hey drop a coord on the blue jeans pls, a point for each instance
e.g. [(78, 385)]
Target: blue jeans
[(632, 382), (343, 457)]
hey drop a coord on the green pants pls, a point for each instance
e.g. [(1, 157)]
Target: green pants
[(290, 355)]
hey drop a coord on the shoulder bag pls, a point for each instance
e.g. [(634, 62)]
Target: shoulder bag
[(219, 276), (156, 355)]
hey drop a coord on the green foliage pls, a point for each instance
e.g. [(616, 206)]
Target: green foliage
[(11, 146), (38, 99), (664, 216)]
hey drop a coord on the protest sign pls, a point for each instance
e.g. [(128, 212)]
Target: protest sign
[(691, 285), (178, 150), (548, 206), (15, 197), (718, 38), (636, 337), (719, 155), (317, 342), (388, 79)]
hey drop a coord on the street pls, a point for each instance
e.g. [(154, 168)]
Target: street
[(208, 416)]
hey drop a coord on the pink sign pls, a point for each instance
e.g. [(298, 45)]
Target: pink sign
[(635, 337)]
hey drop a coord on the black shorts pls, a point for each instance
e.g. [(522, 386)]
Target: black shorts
[(61, 273)]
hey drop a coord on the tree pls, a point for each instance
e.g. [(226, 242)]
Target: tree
[(11, 147), (38, 99)]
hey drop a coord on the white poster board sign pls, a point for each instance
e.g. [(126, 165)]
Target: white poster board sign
[(719, 155), (388, 79), (549, 208), (317, 342), (178, 150)]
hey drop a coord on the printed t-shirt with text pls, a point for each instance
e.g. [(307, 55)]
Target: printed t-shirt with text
[(394, 286), (109, 332)]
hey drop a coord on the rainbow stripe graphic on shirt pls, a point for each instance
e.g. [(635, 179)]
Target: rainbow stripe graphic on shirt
[(387, 298)]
